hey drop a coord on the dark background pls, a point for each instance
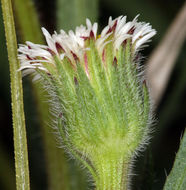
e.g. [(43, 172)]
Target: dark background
[(155, 163)]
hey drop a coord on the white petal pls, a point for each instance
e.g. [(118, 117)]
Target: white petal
[(49, 40), (120, 40), (104, 31), (62, 56), (26, 67), (43, 69), (27, 72), (101, 40), (89, 24), (36, 77), (120, 24), (95, 28), (144, 39)]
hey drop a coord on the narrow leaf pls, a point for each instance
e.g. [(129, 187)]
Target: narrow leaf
[(177, 177)]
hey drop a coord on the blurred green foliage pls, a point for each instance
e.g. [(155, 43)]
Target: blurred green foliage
[(72, 13), (177, 178), (156, 162)]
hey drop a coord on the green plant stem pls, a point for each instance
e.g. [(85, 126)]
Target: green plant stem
[(19, 131), (112, 170)]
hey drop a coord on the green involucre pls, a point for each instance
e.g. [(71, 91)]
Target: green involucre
[(103, 115)]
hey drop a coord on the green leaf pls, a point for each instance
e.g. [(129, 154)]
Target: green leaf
[(177, 177), (71, 13), (27, 21)]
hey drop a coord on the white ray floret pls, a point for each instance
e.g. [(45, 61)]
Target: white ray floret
[(73, 44)]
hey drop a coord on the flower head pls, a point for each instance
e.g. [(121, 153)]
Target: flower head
[(103, 107), (74, 44)]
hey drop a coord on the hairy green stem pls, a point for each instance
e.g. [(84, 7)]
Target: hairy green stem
[(19, 131), (112, 170)]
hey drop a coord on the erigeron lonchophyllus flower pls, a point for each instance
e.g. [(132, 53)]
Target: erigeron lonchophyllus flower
[(100, 98)]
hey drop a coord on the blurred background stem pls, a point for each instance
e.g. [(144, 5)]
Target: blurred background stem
[(19, 131), (30, 30), (163, 58)]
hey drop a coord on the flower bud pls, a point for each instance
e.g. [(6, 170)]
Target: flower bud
[(100, 97)]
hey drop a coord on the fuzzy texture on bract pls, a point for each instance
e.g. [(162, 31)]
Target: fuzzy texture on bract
[(98, 93)]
